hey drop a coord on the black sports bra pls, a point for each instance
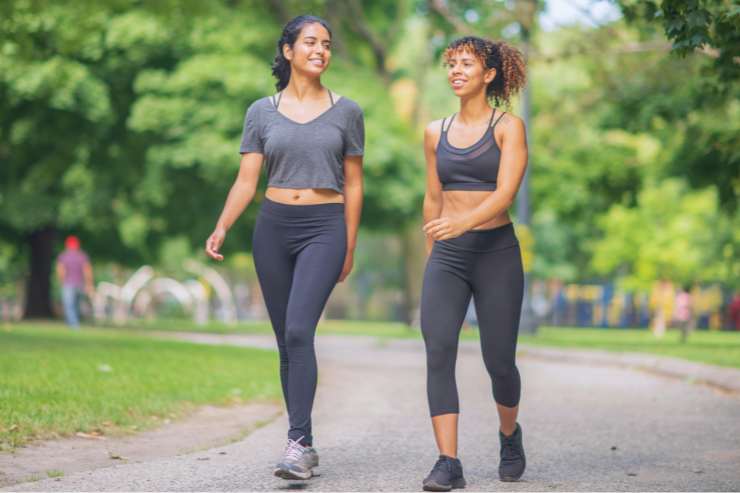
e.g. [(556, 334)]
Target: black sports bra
[(471, 168)]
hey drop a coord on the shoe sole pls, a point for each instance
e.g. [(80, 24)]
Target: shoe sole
[(511, 479), (432, 486), (292, 475)]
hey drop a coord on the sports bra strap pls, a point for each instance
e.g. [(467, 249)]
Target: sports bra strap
[(276, 99), (449, 124), (331, 97), (498, 119), (493, 113)]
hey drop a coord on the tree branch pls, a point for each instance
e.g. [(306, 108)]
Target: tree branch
[(440, 7), (356, 19)]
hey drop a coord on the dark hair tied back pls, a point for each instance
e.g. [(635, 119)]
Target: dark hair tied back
[(291, 31)]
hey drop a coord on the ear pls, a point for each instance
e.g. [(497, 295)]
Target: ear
[(490, 75), (287, 52)]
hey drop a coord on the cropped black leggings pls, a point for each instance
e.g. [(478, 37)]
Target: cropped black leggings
[(298, 253), (487, 265)]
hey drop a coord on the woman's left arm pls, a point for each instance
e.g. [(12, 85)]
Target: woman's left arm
[(511, 171), (352, 208)]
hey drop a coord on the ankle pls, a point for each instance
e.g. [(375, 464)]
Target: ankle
[(508, 431)]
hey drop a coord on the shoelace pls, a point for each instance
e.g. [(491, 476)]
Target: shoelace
[(508, 448), (441, 465), (294, 449)]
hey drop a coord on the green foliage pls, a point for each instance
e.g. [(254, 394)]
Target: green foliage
[(672, 233), (66, 72), (693, 24), (607, 129), (696, 24)]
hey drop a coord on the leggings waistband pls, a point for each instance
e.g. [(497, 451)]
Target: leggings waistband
[(312, 210), (484, 240)]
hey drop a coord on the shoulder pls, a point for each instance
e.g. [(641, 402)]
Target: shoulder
[(433, 129), (509, 123), (258, 106), (351, 108)]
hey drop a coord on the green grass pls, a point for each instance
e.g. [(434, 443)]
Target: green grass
[(718, 348), (54, 381)]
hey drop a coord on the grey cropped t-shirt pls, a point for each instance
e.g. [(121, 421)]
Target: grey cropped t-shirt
[(304, 155)]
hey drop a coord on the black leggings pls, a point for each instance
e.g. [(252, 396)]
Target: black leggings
[(298, 253), (487, 265)]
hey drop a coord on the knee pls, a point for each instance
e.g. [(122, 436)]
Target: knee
[(506, 386), (298, 337), (502, 370), (440, 356)]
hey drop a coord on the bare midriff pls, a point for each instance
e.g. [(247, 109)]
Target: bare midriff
[(304, 196), (459, 203)]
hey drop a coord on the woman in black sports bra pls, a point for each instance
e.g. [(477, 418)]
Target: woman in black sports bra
[(475, 162)]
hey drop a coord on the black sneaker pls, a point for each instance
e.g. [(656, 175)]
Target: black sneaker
[(446, 474), (513, 462)]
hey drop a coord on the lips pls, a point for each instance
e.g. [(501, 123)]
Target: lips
[(317, 62), (457, 83)]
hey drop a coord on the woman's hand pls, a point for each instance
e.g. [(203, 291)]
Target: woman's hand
[(214, 242), (445, 228), (348, 263)]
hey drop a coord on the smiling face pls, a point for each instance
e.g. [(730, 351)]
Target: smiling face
[(466, 73), (311, 52)]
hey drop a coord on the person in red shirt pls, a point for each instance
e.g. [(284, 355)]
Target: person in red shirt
[(76, 277), (735, 311)]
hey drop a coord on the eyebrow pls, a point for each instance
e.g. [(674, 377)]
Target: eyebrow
[(315, 38)]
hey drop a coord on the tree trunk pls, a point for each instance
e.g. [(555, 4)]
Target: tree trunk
[(38, 286)]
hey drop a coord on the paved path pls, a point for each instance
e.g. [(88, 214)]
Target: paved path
[(373, 433)]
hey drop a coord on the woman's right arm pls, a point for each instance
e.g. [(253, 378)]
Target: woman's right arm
[(433, 195), (240, 195)]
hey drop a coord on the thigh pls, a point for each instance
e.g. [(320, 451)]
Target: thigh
[(497, 293), (317, 268), (274, 265), (445, 296)]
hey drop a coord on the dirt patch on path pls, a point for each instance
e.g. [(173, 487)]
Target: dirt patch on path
[(207, 427)]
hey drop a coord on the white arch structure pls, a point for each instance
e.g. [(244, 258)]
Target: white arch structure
[(143, 288)]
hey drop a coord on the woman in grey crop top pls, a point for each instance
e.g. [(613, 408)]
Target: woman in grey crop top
[(475, 162), (311, 143)]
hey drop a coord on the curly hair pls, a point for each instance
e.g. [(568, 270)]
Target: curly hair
[(511, 75), (291, 31)]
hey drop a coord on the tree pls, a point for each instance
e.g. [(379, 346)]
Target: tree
[(66, 75), (712, 26), (671, 233)]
